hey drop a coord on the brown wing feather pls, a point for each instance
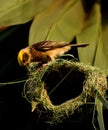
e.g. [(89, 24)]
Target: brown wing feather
[(48, 45)]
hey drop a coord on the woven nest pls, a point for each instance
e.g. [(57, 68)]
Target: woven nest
[(59, 89)]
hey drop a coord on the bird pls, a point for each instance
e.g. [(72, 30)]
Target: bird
[(44, 52)]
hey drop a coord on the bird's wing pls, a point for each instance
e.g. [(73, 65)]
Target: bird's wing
[(48, 45)]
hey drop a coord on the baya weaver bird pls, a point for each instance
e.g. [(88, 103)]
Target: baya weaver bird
[(44, 52)]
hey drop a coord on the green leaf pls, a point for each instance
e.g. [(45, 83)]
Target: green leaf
[(96, 35), (99, 108), (20, 11), (90, 34), (61, 22), (103, 100)]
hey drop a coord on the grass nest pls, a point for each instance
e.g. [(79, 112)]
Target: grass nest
[(59, 90)]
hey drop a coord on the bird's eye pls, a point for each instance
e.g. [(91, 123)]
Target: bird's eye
[(25, 58)]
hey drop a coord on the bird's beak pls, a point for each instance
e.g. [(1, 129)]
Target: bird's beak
[(20, 57)]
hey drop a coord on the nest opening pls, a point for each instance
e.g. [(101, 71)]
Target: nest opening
[(66, 82)]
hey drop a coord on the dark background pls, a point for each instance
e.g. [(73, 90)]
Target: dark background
[(15, 111)]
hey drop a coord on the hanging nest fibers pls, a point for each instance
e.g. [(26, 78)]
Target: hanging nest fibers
[(59, 89)]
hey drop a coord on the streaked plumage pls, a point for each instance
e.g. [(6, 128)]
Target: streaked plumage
[(44, 52)]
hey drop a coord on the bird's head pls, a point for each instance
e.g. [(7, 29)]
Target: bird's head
[(23, 57)]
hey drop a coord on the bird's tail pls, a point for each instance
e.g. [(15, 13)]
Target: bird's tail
[(79, 45)]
